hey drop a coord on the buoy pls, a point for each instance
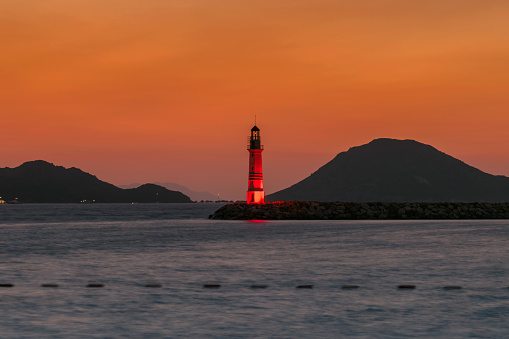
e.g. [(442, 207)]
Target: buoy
[(408, 287), (49, 285), (153, 285), (452, 287), (258, 286), (304, 286), (211, 286), (95, 285), (6, 285), (349, 287)]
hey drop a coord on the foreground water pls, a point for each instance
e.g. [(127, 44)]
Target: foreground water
[(126, 247)]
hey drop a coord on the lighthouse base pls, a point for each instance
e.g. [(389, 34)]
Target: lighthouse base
[(255, 197)]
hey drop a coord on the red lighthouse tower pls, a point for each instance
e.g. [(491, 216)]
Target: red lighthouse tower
[(255, 192)]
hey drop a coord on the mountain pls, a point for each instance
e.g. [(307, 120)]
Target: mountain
[(397, 171), (196, 196), (42, 182)]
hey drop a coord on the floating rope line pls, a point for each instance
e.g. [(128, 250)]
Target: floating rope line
[(253, 286)]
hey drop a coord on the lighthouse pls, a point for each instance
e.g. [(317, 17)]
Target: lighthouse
[(255, 192)]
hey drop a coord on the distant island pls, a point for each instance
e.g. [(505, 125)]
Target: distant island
[(391, 170), (43, 182), (195, 196)]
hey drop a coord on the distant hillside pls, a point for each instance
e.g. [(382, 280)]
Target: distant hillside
[(196, 196), (397, 171), (42, 182)]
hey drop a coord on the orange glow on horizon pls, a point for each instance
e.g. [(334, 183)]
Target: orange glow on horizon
[(146, 91)]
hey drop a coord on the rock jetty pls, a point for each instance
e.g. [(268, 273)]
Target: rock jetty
[(313, 210)]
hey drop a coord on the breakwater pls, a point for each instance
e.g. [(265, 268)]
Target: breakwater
[(312, 210)]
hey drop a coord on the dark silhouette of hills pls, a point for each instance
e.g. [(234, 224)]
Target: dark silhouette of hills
[(392, 170), (42, 182), (196, 196)]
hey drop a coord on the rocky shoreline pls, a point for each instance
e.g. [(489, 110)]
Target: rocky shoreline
[(313, 210)]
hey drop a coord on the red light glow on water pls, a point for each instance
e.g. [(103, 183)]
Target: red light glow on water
[(257, 221)]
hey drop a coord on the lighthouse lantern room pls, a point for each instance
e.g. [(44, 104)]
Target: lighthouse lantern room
[(255, 192)]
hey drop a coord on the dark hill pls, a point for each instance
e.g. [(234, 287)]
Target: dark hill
[(197, 196), (42, 182), (397, 171)]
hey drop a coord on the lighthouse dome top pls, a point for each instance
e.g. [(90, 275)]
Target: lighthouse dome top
[(255, 129)]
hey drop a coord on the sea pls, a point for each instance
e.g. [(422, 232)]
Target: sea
[(167, 271)]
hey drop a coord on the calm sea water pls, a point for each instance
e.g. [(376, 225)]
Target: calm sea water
[(126, 246)]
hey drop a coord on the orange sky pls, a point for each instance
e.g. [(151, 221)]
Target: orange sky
[(167, 90)]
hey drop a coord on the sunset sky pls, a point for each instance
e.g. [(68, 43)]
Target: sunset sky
[(167, 90)]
